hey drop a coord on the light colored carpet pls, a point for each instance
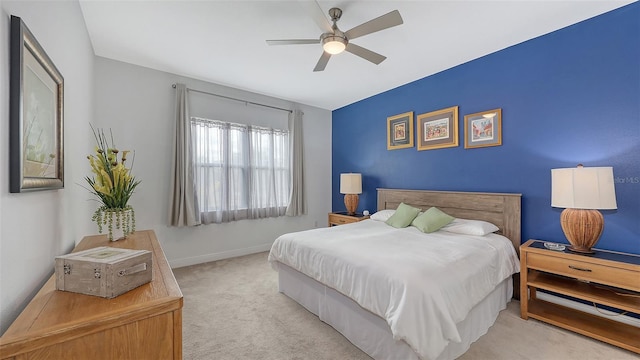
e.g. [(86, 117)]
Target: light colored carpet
[(233, 310)]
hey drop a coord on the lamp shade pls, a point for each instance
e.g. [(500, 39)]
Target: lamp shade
[(583, 188), (350, 183)]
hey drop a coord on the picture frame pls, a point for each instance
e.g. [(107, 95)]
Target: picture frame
[(400, 131), (36, 115), (483, 129), (438, 129)]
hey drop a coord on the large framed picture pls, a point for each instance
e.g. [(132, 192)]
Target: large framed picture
[(400, 131), (438, 129), (36, 100), (483, 129)]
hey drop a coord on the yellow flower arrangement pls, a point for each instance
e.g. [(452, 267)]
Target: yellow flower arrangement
[(113, 185)]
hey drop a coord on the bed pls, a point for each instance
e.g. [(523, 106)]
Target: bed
[(400, 293)]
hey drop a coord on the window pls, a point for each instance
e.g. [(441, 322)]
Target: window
[(242, 171)]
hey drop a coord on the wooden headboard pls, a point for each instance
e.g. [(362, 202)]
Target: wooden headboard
[(503, 210)]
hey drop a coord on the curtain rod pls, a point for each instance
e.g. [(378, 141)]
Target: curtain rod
[(232, 98)]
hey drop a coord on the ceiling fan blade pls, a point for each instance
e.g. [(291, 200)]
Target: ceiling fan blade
[(322, 62), (380, 23), (365, 53), (293, 42), (315, 11)]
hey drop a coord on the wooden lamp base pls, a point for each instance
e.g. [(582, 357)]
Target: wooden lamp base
[(582, 228), (351, 202)]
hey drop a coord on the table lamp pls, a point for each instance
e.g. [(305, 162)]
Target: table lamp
[(351, 186), (582, 191)]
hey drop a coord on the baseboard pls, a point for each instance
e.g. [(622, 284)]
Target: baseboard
[(587, 308), (200, 259)]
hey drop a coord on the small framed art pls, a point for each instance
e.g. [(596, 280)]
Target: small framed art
[(36, 114), (483, 129), (438, 129), (400, 131)]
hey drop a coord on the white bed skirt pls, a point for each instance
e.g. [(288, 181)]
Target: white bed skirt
[(370, 332)]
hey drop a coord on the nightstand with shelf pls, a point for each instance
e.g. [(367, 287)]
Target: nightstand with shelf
[(606, 278), (341, 218)]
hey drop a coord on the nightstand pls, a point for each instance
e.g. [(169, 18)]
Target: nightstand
[(341, 218), (606, 278)]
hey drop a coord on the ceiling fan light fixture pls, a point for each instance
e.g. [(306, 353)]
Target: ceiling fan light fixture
[(334, 44), (334, 41)]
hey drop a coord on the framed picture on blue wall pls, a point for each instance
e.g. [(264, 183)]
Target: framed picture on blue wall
[(438, 129), (483, 129), (400, 131)]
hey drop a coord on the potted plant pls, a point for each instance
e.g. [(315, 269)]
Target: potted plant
[(113, 185)]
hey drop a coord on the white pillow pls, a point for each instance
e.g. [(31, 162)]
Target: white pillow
[(382, 215), (470, 227)]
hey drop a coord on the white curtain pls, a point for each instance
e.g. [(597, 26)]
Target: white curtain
[(183, 209), (297, 202), (268, 172), (240, 170)]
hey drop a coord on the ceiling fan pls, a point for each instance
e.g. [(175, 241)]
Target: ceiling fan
[(334, 41)]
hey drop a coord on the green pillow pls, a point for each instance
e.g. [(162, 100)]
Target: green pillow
[(432, 220), (403, 216)]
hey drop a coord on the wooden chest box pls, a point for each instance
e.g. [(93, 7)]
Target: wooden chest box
[(103, 271)]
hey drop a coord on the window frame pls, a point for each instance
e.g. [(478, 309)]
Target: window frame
[(245, 168)]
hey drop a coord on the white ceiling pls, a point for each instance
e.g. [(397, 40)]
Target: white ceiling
[(224, 41)]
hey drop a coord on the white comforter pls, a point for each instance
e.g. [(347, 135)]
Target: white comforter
[(421, 284)]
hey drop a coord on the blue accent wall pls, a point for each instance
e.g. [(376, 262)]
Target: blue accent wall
[(568, 97)]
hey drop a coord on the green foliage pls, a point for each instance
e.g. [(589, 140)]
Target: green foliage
[(112, 184)]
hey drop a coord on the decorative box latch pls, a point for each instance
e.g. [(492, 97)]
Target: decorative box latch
[(96, 273), (67, 269)]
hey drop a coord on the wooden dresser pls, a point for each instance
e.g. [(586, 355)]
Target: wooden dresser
[(144, 323)]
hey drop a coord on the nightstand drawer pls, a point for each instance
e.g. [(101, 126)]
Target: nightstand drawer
[(585, 270), (338, 219)]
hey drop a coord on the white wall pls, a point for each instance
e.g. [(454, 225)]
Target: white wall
[(35, 227), (138, 104)]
